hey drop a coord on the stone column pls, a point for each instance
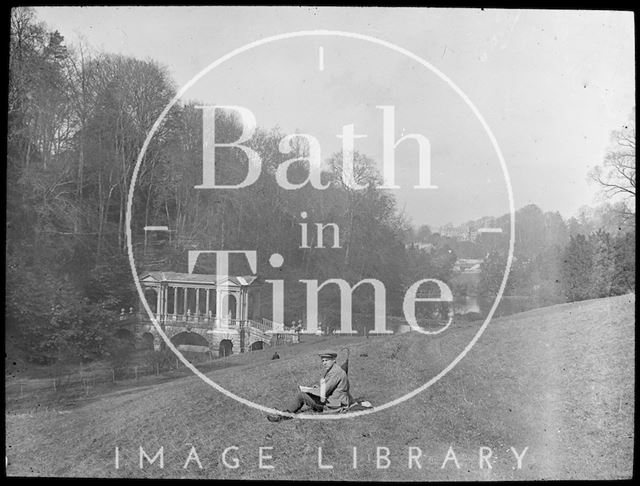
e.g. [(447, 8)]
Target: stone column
[(221, 312), (197, 312), (159, 301), (184, 309), (245, 303), (175, 302), (165, 299), (207, 304), (239, 305)]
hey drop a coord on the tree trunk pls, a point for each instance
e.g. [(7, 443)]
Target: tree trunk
[(100, 214), (77, 226), (348, 243)]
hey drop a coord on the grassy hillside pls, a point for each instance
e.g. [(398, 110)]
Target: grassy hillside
[(558, 380)]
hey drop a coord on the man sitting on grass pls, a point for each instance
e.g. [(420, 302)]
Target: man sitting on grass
[(331, 396)]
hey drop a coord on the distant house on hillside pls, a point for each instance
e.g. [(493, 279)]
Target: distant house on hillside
[(428, 247), (467, 265), (460, 233)]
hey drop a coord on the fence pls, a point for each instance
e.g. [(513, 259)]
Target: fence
[(82, 383)]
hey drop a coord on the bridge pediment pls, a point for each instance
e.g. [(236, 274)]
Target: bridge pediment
[(149, 278)]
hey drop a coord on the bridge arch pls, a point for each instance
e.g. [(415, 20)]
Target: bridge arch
[(125, 335), (147, 340), (226, 348), (190, 338), (173, 330), (257, 345)]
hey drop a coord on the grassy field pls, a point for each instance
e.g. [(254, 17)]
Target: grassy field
[(558, 381)]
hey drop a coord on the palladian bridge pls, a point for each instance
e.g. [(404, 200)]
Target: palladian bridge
[(205, 313)]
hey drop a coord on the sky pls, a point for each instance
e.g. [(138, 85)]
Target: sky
[(550, 85)]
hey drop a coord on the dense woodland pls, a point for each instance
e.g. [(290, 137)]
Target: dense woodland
[(77, 120)]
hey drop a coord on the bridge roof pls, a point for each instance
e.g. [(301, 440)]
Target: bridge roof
[(199, 278)]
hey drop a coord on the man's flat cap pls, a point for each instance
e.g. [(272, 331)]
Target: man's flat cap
[(328, 354)]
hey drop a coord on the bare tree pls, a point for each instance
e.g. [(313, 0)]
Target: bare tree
[(617, 174)]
